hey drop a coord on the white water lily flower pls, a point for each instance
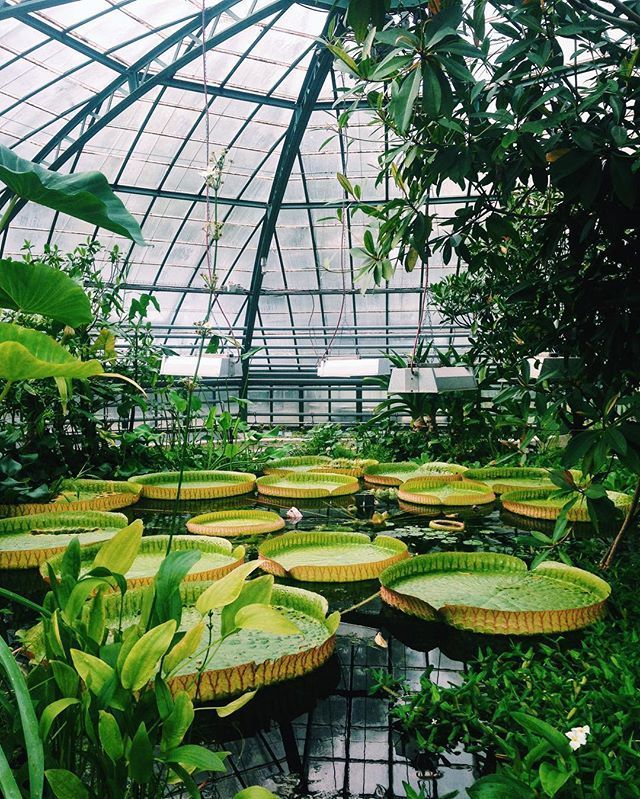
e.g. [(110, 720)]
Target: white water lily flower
[(294, 515), (578, 736)]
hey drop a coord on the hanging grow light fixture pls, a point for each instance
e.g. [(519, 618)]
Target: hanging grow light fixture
[(211, 366), (353, 366), (431, 380), (552, 367)]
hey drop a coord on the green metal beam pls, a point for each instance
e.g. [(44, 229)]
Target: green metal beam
[(311, 87), (27, 6)]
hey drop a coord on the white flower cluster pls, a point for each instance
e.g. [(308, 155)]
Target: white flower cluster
[(214, 171)]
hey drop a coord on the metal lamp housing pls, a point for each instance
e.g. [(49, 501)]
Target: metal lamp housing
[(432, 380)]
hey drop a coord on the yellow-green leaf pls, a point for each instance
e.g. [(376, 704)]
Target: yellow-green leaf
[(235, 704), (95, 673), (51, 713), (118, 553), (142, 661), (178, 722), (186, 647), (265, 618), (110, 736), (226, 590)]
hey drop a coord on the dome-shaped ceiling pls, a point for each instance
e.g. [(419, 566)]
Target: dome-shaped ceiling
[(121, 86)]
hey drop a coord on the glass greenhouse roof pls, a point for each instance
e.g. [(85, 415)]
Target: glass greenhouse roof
[(121, 86)]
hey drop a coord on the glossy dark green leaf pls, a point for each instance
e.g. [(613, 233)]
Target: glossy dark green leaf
[(140, 756)]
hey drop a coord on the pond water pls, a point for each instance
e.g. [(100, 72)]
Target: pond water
[(324, 735)]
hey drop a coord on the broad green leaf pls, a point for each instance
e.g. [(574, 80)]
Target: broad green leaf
[(185, 647), (66, 678), (142, 661), (235, 704), (172, 571), (255, 792), (226, 590), (257, 591), (197, 757), (29, 722), (31, 355), (51, 712), (403, 98), (80, 593), (93, 671), (34, 288), (65, 784), (544, 730), (178, 722), (552, 778), (118, 553), (86, 195), (110, 736), (265, 618), (140, 756)]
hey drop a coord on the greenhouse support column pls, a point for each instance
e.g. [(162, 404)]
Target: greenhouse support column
[(309, 93)]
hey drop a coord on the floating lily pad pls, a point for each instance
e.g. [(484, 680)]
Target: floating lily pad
[(195, 485), (81, 495), (351, 466), (334, 557), (298, 463), (537, 503), (494, 593), (244, 661), (395, 474), (228, 523), (27, 541), (502, 479), (304, 484), (218, 557), (432, 491)]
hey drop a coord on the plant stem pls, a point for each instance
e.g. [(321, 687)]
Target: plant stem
[(606, 561), (5, 390), (360, 604), (7, 214)]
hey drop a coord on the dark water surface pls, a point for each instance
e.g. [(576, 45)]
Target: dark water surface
[(324, 735)]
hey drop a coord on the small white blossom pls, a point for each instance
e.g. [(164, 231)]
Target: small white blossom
[(578, 736), (294, 515), (213, 173)]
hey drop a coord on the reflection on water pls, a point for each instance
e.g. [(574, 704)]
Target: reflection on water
[(323, 734)]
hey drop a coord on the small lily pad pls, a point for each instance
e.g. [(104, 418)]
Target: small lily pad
[(195, 485), (27, 541), (493, 593), (296, 485), (504, 478), (338, 556), (432, 491), (217, 558), (228, 523)]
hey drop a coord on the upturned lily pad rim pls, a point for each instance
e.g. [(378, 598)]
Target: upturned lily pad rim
[(153, 485), (425, 491), (158, 544), (286, 465), (391, 551), (488, 620), (205, 523), (109, 495), (520, 503), (312, 485), (387, 473), (505, 478), (351, 466), (33, 557)]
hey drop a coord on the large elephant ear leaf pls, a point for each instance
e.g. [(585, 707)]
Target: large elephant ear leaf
[(31, 355), (85, 195), (34, 288)]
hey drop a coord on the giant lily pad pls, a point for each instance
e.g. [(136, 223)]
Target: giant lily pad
[(494, 593), (505, 478), (395, 474), (333, 557), (307, 485), (218, 557), (235, 522), (27, 541), (244, 661), (85, 195), (35, 288), (351, 466), (538, 503), (433, 491), (81, 495), (298, 463), (195, 485), (31, 355)]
